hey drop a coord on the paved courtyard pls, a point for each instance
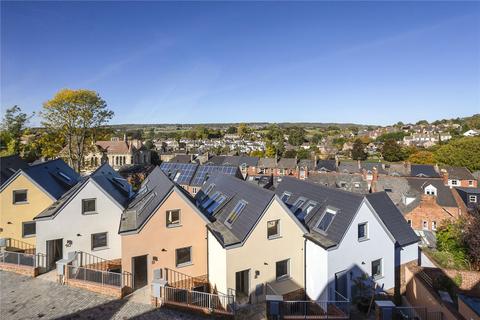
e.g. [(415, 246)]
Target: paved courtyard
[(32, 298)]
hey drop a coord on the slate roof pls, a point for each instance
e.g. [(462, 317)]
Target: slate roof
[(55, 176), (108, 180), (307, 163), (114, 147), (368, 166), (154, 189), (348, 167), (240, 160), (444, 196), (287, 163), (258, 199), (181, 158), (395, 187), (9, 166), (423, 170), (392, 218), (267, 163), (346, 203), (327, 165), (397, 169), (460, 173), (345, 181)]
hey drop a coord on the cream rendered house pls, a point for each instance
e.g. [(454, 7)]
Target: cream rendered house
[(255, 245)]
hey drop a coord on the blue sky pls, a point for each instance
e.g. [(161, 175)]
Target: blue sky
[(180, 62)]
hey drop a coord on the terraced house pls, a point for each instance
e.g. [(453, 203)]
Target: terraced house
[(27, 192), (162, 229), (86, 218), (343, 234), (255, 244)]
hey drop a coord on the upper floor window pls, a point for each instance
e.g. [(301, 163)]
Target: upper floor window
[(409, 222), (326, 219), (194, 190), (472, 198), (235, 212), (470, 183), (297, 207), (282, 269), (177, 175), (20, 196), (362, 231), (454, 182), (431, 190), (173, 218), (273, 229), (434, 225), (89, 206), (425, 225), (216, 203), (388, 189)]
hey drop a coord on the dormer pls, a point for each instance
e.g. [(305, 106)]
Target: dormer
[(430, 190)]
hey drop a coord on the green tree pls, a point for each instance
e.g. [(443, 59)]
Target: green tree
[(317, 138), (422, 157), (231, 130), (422, 122), (13, 126), (358, 150), (257, 153), (296, 136), (290, 154), (463, 152), (270, 151), (392, 152), (243, 130), (74, 115), (397, 136), (303, 153)]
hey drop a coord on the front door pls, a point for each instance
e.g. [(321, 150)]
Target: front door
[(54, 252), (140, 277), (341, 285), (242, 283)]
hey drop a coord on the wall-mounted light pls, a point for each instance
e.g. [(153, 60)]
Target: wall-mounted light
[(257, 273), (69, 243), (363, 262), (164, 250), (79, 235), (9, 222), (154, 258), (265, 263)]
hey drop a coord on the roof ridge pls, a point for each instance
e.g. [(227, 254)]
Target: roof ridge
[(358, 195)]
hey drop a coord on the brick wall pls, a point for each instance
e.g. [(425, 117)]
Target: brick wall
[(428, 210), (25, 270), (98, 288)]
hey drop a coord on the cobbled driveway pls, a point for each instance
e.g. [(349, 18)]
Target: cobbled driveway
[(29, 298)]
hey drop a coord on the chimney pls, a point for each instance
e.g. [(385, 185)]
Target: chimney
[(374, 174), (125, 137), (444, 174)]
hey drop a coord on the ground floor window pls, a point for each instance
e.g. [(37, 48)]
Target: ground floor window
[(99, 241), (183, 256), (28, 229), (377, 269), (283, 269)]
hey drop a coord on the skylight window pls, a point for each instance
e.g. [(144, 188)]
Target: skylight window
[(208, 201), (177, 175), (235, 213), (285, 196), (326, 219), (297, 207), (307, 209), (216, 203)]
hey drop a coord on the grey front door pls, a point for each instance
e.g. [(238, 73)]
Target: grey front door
[(341, 285)]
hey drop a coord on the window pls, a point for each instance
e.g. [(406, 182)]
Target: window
[(454, 182), (209, 189), (472, 198), (99, 241), (28, 229), (286, 196), (377, 269), (282, 269), (19, 196), (409, 222), (425, 225), (326, 219), (173, 218), (362, 231), (194, 190), (177, 175), (89, 206), (431, 190), (388, 189), (356, 185), (208, 201), (297, 207), (183, 256), (216, 203), (273, 229), (63, 175), (434, 225), (235, 212), (470, 183)]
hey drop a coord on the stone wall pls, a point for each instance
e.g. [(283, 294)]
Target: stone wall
[(24, 270)]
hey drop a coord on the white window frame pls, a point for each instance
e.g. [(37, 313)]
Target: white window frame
[(283, 276), (434, 225), (276, 235), (470, 183), (329, 210), (287, 194), (98, 248), (365, 237), (183, 264), (23, 229), (19, 191), (472, 198), (423, 224), (168, 218), (379, 276), (89, 212), (240, 206)]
